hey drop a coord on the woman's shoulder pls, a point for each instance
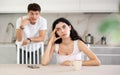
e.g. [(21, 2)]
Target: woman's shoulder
[(81, 43), (78, 40)]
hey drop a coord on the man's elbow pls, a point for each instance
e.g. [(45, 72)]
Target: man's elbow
[(40, 39), (18, 39)]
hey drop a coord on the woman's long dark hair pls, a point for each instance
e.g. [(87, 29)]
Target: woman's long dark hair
[(73, 33)]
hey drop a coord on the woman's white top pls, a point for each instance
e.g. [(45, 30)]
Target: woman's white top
[(75, 55)]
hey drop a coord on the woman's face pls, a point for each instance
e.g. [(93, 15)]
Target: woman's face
[(63, 30)]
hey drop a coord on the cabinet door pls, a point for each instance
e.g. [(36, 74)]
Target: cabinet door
[(8, 54), (109, 59), (99, 5), (108, 55), (59, 6), (13, 6)]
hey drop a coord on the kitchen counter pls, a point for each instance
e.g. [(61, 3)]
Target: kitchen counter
[(16, 69), (103, 46)]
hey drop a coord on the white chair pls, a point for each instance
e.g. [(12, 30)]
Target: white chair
[(29, 54)]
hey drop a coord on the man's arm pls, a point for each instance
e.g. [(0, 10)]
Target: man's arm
[(19, 31), (35, 39), (19, 34), (41, 36)]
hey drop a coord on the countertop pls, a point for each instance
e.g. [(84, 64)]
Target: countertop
[(103, 46), (16, 69)]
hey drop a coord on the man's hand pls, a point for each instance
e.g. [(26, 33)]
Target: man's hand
[(25, 42), (24, 22)]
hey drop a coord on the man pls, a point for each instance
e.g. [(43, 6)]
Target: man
[(31, 28)]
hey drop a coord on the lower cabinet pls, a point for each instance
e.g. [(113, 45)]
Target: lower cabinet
[(8, 54), (108, 55)]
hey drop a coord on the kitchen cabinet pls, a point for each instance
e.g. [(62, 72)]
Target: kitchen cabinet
[(48, 6), (61, 6), (13, 6), (8, 54), (108, 55), (99, 5)]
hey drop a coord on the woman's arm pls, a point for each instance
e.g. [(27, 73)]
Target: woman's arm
[(49, 50), (93, 59), (48, 54)]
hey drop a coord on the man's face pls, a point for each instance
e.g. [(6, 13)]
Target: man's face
[(33, 16)]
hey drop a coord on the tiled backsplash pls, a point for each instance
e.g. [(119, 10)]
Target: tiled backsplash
[(83, 23)]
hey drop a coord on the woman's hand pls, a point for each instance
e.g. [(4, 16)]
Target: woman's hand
[(67, 63), (53, 37)]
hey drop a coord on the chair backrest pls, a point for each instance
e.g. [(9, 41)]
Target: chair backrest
[(29, 54)]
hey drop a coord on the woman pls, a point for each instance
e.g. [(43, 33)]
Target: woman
[(67, 45)]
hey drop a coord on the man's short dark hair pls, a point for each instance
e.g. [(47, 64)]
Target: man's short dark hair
[(34, 7)]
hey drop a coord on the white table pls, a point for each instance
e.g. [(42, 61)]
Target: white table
[(15, 69)]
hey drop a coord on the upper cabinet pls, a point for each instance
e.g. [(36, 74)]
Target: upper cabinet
[(60, 6), (13, 6), (47, 6), (99, 5)]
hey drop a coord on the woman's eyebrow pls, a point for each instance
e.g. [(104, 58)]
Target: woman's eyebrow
[(60, 27), (57, 28)]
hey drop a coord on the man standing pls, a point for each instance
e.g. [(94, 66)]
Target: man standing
[(31, 28)]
